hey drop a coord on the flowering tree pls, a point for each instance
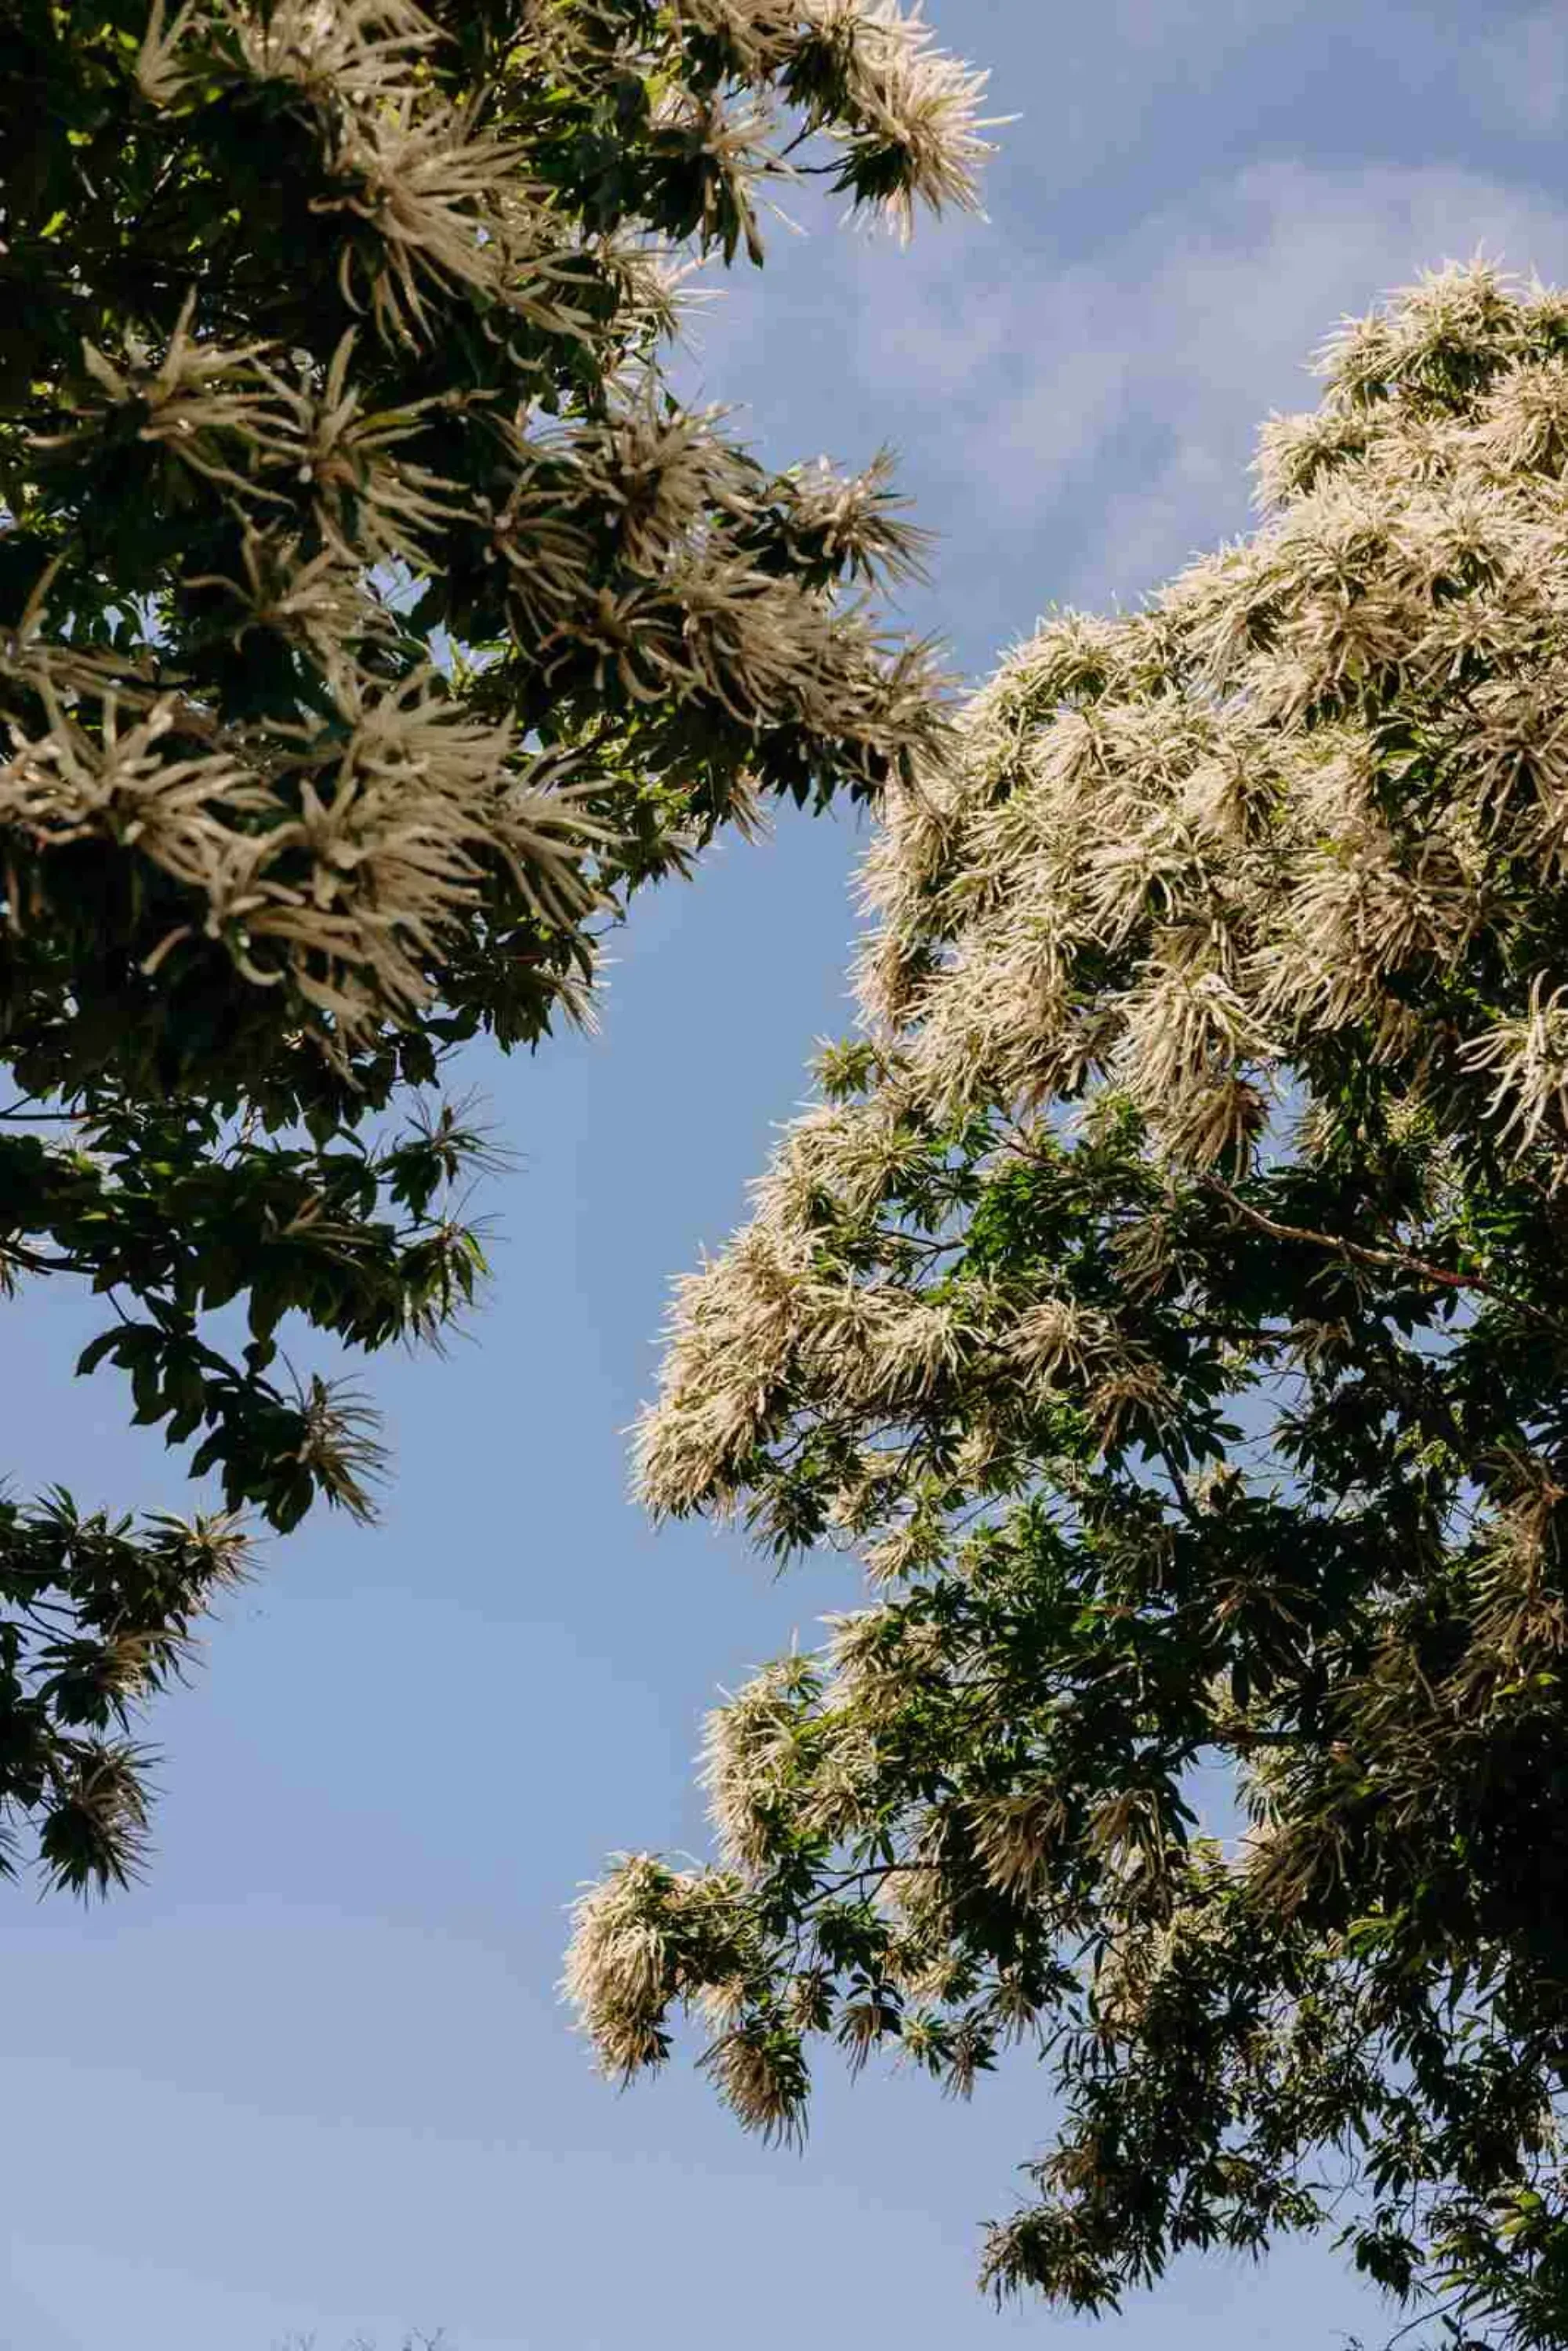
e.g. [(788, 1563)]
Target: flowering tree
[(373, 619), (1168, 1306)]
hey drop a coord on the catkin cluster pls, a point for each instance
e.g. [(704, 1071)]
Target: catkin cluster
[(369, 592)]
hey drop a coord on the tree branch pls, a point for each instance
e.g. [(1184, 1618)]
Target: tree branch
[(1363, 1253)]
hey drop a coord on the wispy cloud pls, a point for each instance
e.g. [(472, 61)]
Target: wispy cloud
[(1203, 321), (1077, 430)]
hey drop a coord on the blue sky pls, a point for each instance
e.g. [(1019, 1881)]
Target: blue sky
[(312, 2079)]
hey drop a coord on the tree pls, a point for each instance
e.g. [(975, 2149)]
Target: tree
[(1167, 1304), (374, 618)]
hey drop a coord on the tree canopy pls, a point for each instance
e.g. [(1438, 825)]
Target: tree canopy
[(374, 617), (1167, 1306)]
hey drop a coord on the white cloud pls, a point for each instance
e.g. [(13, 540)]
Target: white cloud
[(1221, 311)]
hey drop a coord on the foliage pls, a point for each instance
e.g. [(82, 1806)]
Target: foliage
[(374, 618), (416, 2341), (1167, 1304)]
